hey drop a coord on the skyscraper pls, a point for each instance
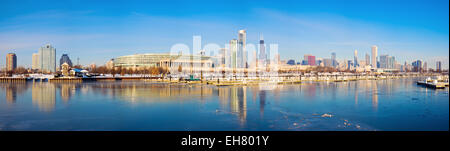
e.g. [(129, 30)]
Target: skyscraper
[(417, 66), (333, 59), (35, 61), (11, 61), (425, 67), (355, 62), (438, 66), (242, 52), (374, 56), (311, 60), (47, 58), (384, 61), (233, 51), (65, 59), (262, 51), (367, 59)]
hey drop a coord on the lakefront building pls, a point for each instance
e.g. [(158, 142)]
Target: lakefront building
[(165, 60), (47, 58), (11, 61), (35, 61), (65, 59)]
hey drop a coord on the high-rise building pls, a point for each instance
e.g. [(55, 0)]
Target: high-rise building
[(349, 64), (35, 61), (65, 59), (47, 58), (242, 52), (417, 66), (387, 62), (233, 50), (311, 60), (333, 59), (425, 67), (374, 56), (356, 59), (262, 51), (391, 62), (11, 61), (438, 66), (384, 61), (367, 59)]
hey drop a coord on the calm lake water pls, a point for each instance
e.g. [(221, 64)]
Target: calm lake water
[(397, 104)]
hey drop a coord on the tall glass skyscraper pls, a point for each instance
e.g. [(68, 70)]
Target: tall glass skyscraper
[(233, 50), (333, 59), (374, 56), (355, 61), (47, 61), (262, 51), (242, 52)]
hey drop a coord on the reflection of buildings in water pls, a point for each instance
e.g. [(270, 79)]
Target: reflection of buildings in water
[(374, 95), (154, 92), (11, 94), (238, 103), (44, 96), (356, 93), (262, 102), (67, 90), (311, 90), (224, 96), (12, 90)]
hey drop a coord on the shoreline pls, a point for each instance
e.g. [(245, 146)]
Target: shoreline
[(224, 81)]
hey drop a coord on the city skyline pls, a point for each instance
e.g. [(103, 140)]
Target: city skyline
[(304, 28)]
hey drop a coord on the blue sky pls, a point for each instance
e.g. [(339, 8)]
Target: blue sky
[(96, 31)]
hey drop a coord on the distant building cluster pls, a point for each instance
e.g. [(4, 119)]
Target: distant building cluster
[(237, 55)]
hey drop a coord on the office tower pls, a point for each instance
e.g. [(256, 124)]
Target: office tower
[(11, 61), (47, 58), (391, 62), (417, 65), (356, 59), (438, 66), (384, 61), (333, 59), (262, 51), (233, 50), (374, 56), (35, 61), (242, 52), (65, 59), (222, 54), (311, 60), (425, 67), (349, 64), (367, 59)]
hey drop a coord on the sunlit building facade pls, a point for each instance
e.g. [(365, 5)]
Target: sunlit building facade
[(11, 61), (167, 60), (47, 58)]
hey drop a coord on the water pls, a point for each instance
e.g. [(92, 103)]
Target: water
[(397, 104)]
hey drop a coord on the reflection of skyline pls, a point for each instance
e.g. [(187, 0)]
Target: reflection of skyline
[(12, 90), (44, 96)]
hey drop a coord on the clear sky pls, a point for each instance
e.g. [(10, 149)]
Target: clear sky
[(96, 31)]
